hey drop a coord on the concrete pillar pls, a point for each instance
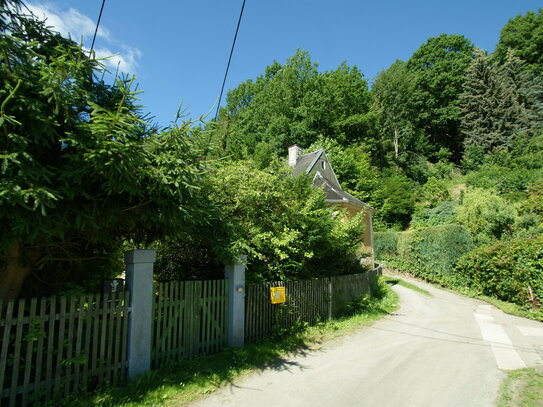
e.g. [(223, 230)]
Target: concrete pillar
[(235, 279), (139, 282)]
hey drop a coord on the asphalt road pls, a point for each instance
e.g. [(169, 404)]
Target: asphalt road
[(444, 350)]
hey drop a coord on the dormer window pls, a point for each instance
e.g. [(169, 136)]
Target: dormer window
[(323, 163)]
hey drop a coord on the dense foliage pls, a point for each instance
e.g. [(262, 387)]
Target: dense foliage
[(511, 271), (523, 35), (440, 66), (294, 103), (283, 225), (80, 168), (485, 215), (446, 146), (430, 253)]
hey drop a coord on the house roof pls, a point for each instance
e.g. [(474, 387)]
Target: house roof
[(306, 162), (331, 186), (337, 195)]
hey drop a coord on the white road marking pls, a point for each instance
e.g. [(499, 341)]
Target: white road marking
[(507, 358), (530, 331)]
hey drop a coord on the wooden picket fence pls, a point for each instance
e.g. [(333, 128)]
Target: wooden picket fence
[(54, 346), (347, 288), (308, 301), (51, 347), (190, 318)]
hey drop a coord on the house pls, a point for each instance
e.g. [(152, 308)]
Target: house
[(317, 166)]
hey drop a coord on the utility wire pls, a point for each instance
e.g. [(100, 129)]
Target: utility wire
[(229, 59), (97, 25)]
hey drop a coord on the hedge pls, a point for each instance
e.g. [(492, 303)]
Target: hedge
[(507, 270), (430, 253)]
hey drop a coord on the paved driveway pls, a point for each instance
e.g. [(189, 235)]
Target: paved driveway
[(444, 350)]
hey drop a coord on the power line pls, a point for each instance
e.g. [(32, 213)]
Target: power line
[(97, 25), (229, 59)]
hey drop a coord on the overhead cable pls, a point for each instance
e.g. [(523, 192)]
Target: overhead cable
[(229, 60), (97, 25)]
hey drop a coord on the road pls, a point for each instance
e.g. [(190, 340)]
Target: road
[(443, 350)]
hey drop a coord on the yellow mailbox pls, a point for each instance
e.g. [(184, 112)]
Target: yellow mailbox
[(278, 295)]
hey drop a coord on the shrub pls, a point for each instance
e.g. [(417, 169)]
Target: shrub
[(442, 214), (485, 215), (534, 202), (504, 179), (507, 270), (283, 224), (394, 200), (430, 253), (188, 258), (385, 244), (433, 193)]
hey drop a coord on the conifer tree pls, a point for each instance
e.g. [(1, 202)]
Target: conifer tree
[(528, 92), (490, 109)]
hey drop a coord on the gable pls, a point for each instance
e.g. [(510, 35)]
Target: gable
[(317, 165), (317, 162)]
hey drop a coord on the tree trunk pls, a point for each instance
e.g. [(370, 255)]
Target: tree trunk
[(13, 273)]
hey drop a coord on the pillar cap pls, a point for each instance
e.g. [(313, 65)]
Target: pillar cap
[(140, 256)]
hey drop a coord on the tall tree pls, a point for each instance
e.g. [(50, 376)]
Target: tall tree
[(524, 35), (79, 168), (527, 88), (392, 90), (294, 103), (490, 109), (440, 66), (500, 102)]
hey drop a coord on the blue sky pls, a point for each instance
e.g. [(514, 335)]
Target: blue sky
[(178, 49)]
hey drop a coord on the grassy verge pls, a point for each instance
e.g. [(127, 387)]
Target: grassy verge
[(393, 281), (509, 308), (522, 388), (191, 379)]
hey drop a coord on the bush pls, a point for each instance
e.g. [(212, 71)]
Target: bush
[(394, 200), (189, 258), (504, 179), (429, 253), (283, 224), (442, 214), (534, 202), (433, 193), (508, 270), (486, 215)]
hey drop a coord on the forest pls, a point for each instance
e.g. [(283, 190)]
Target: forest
[(446, 146)]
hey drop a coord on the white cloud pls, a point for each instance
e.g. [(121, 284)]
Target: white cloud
[(126, 61), (79, 27)]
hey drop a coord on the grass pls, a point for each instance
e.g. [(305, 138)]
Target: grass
[(510, 308), (192, 379), (522, 388), (406, 284)]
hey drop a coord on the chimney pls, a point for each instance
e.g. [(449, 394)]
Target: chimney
[(294, 153)]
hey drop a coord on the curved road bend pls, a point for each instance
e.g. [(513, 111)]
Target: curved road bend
[(444, 350)]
